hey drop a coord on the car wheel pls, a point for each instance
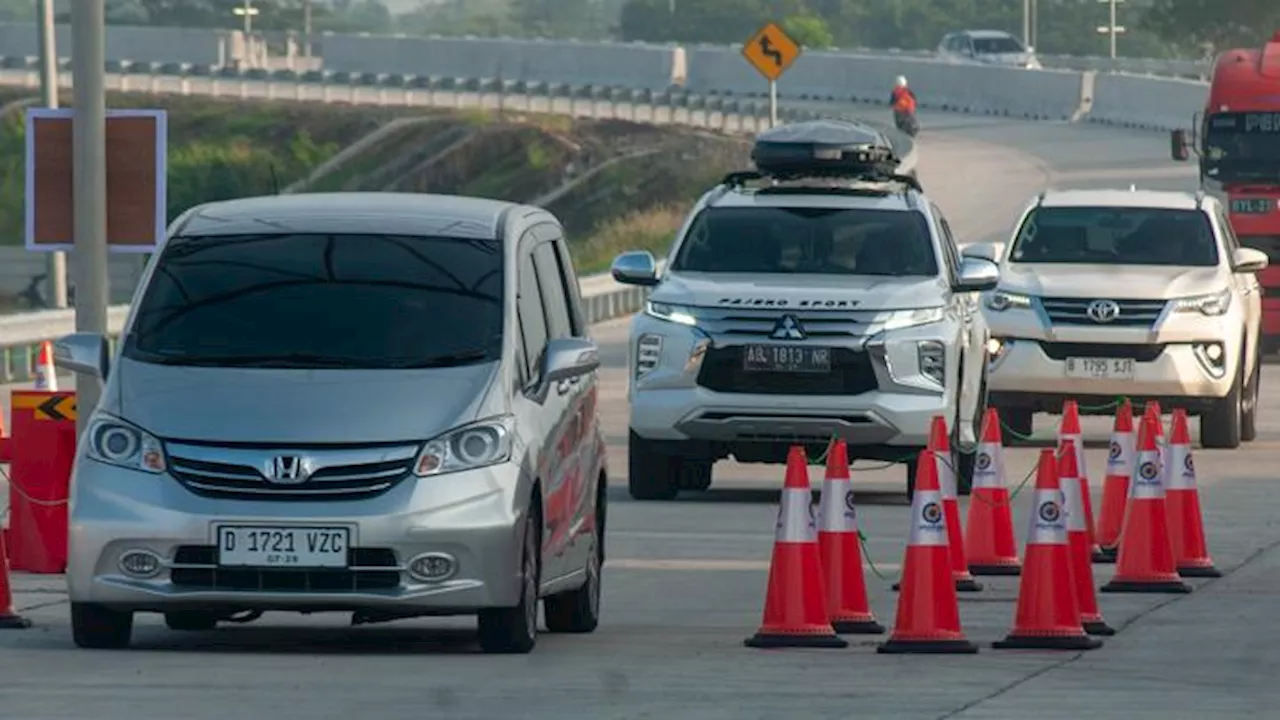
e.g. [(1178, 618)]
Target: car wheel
[(190, 620), (100, 628), (913, 466), (1249, 404), (964, 461), (1220, 427), (578, 611), (695, 475), (651, 474), (514, 630)]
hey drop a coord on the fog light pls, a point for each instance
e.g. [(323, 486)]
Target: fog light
[(433, 567), (1212, 357), (933, 361), (648, 354), (140, 563)]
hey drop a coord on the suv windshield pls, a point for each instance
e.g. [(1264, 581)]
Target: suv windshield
[(996, 45), (1116, 235), (821, 241), (311, 301)]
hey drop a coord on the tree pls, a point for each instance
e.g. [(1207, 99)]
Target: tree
[(810, 31), (1214, 25)]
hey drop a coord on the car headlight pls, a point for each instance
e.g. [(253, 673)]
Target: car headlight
[(1212, 304), (1000, 301), (670, 313), (900, 319), (473, 446), (116, 442)]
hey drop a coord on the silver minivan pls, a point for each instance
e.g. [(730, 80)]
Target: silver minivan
[(375, 403)]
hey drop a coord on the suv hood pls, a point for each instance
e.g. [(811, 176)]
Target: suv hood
[(1137, 282), (232, 405), (798, 292)]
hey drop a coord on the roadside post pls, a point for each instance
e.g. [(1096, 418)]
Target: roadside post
[(771, 51)]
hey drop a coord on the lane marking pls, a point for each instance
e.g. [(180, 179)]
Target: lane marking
[(703, 564)]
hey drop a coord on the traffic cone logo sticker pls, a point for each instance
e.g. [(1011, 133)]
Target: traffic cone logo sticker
[(1113, 454), (1188, 466), (983, 463), (850, 513), (1050, 514), (1149, 473)]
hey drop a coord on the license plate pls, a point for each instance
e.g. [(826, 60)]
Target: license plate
[(1252, 206), (786, 358), (301, 547), (1100, 368)]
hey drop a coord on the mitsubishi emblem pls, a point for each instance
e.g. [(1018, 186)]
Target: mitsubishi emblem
[(788, 328)]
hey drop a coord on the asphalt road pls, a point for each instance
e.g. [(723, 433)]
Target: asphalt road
[(686, 580)]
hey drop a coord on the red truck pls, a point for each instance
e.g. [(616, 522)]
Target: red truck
[(1238, 145)]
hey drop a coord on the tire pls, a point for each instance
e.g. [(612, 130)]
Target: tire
[(695, 475), (100, 628), (190, 621), (651, 475), (1249, 405), (514, 630), (578, 611), (913, 466), (965, 461), (1220, 428)]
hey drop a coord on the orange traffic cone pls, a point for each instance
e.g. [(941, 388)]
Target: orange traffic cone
[(928, 618), (1078, 544), (46, 376), (1070, 430), (841, 550), (1115, 488), (1047, 617), (990, 546), (1186, 525), (9, 618), (1146, 562), (795, 613)]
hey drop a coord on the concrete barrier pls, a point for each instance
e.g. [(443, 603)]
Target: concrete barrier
[(1146, 102)]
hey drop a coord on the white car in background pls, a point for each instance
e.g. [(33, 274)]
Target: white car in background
[(1140, 294), (987, 47)]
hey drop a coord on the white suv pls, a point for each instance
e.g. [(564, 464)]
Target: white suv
[(822, 296), (1134, 293)]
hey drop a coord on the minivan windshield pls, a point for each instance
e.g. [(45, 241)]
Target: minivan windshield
[(321, 301), (996, 45), (1116, 236), (821, 241)]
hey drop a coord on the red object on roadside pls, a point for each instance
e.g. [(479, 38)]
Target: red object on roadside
[(42, 451)]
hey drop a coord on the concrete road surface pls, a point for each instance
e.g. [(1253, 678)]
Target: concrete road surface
[(685, 582)]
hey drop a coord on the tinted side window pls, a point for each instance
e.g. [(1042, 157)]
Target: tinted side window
[(533, 324), (554, 297), (950, 251)]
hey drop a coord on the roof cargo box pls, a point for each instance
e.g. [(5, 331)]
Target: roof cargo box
[(823, 147)]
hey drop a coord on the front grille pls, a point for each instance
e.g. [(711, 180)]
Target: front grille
[(1133, 351), (371, 569), (239, 473), (1075, 311), (744, 324), (851, 374)]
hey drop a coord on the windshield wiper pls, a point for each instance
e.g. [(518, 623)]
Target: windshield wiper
[(465, 357)]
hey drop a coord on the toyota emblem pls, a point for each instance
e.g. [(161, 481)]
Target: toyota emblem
[(1103, 311)]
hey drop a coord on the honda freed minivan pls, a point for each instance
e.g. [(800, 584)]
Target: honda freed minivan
[(376, 403)]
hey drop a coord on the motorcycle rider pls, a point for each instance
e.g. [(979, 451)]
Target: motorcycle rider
[(903, 102)]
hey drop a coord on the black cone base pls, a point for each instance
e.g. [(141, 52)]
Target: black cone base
[(1098, 627), (995, 570), (1200, 572), (929, 647), (1154, 586), (762, 640), (14, 622), (1033, 642), (858, 627), (1104, 557), (968, 585)]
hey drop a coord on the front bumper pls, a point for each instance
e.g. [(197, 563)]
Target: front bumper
[(475, 517)]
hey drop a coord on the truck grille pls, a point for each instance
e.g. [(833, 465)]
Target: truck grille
[(242, 473), (1075, 311), (371, 569), (851, 374)]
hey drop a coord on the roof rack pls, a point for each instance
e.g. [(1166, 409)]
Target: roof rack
[(874, 176), (1200, 195)]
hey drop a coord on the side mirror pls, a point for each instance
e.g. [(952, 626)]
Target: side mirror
[(635, 268), (1179, 147), (1248, 260), (569, 358), (84, 353), (977, 275), (991, 252)]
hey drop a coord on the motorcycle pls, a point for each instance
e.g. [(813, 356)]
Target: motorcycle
[(906, 123)]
